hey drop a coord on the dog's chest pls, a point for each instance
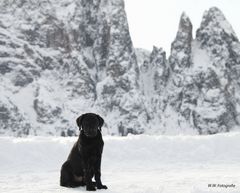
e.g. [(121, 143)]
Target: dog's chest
[(91, 147)]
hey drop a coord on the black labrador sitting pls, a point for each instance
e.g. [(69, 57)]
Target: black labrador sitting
[(84, 160)]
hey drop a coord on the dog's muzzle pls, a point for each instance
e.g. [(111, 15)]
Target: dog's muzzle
[(90, 133)]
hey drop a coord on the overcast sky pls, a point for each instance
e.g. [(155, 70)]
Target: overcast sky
[(155, 22)]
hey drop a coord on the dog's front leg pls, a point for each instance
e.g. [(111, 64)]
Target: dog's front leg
[(97, 173), (88, 174)]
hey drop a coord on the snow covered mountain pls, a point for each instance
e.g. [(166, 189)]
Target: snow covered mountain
[(200, 80), (59, 59)]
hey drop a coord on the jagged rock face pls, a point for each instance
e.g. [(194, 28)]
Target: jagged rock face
[(10, 116), (180, 57), (154, 74), (161, 74), (217, 38), (67, 58), (179, 61), (203, 90), (210, 112), (59, 59), (118, 92)]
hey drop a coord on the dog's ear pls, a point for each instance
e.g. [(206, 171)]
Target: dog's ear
[(100, 121), (79, 121)]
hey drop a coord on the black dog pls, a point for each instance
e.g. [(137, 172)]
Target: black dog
[(84, 160)]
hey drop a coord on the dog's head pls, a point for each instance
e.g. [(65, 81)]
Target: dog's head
[(90, 123)]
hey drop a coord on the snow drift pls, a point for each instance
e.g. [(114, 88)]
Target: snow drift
[(135, 164)]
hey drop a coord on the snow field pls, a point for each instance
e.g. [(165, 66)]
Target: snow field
[(133, 164)]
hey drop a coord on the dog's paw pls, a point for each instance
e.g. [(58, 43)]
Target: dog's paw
[(90, 188), (102, 187)]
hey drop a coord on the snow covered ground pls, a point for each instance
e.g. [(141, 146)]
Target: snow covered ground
[(133, 164)]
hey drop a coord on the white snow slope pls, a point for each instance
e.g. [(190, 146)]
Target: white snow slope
[(133, 164)]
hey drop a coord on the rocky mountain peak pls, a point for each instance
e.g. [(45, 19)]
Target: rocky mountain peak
[(215, 27), (59, 59), (217, 37), (84, 49), (158, 55), (214, 18), (181, 46), (185, 24)]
